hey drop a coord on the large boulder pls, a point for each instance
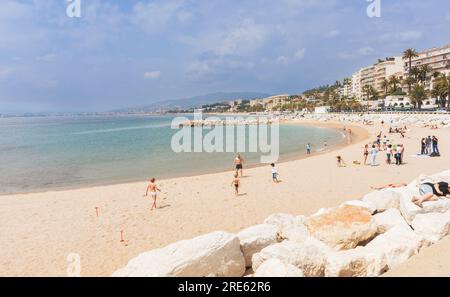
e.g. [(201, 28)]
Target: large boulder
[(277, 268), (432, 226), (288, 226), (344, 227), (255, 238), (410, 210), (215, 254), (388, 219), (309, 256), (398, 244), (358, 262), (368, 205), (383, 199)]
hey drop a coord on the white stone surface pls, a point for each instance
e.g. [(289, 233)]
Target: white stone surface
[(432, 226), (277, 268), (214, 254), (255, 238)]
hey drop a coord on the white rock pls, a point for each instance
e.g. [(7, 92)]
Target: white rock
[(215, 254), (358, 262), (309, 256), (255, 238), (398, 244), (298, 233), (432, 226), (383, 199), (366, 204), (280, 220), (388, 219), (277, 268), (344, 227), (409, 210)]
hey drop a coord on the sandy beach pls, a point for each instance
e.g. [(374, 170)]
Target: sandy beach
[(39, 230)]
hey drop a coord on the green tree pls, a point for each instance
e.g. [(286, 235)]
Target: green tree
[(385, 85), (394, 81), (418, 94), (410, 54)]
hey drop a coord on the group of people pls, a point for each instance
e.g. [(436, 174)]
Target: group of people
[(429, 146), (392, 151), (239, 163)]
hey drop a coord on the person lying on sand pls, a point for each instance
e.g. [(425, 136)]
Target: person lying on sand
[(388, 186), (236, 183), (431, 192), (152, 187)]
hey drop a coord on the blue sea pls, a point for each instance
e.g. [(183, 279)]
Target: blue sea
[(43, 153)]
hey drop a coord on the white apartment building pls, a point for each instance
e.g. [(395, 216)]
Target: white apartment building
[(356, 84), (384, 69), (436, 58)]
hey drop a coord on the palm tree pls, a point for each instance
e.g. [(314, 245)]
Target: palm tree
[(423, 73), (414, 72), (409, 81), (418, 94), (385, 85), (394, 81), (410, 54), (441, 89)]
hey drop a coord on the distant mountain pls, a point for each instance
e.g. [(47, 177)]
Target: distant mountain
[(196, 101)]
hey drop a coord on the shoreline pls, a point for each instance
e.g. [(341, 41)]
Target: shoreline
[(359, 135), (41, 229)]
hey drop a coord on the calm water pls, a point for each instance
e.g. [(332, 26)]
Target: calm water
[(51, 153)]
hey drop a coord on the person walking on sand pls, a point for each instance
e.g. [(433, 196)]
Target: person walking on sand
[(366, 153), (152, 188), (238, 161), (399, 155), (274, 173), (236, 184), (373, 155), (308, 149), (388, 154)]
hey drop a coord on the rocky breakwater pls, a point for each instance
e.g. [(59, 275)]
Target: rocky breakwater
[(227, 122), (394, 120), (364, 237)]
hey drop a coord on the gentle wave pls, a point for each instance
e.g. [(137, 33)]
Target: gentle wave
[(121, 129)]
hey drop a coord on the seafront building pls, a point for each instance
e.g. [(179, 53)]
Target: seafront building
[(436, 58)]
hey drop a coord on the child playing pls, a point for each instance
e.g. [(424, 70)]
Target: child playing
[(236, 183), (274, 173), (340, 162), (152, 187)]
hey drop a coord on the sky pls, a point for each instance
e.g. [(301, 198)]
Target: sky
[(126, 53)]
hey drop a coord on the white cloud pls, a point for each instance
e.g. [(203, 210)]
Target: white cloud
[(243, 39), (5, 72), (47, 58), (333, 33), (403, 36), (152, 74), (300, 54), (155, 15), (361, 52), (365, 51), (282, 60), (409, 35)]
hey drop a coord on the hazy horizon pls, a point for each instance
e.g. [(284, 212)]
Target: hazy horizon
[(134, 53)]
